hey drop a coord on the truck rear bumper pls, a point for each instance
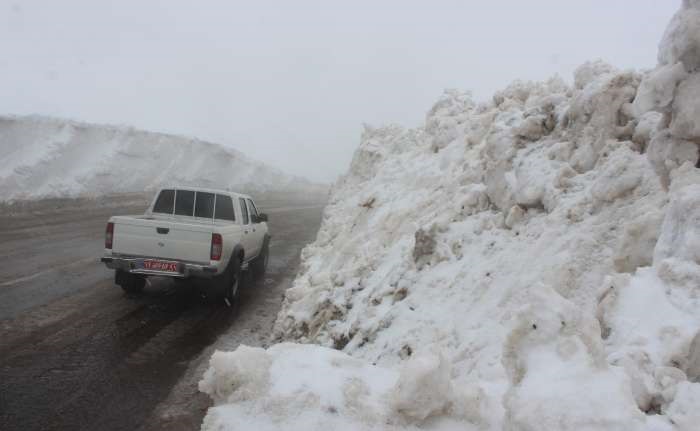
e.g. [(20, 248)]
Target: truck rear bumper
[(134, 265)]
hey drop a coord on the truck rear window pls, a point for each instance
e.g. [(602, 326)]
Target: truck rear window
[(204, 205), (184, 203), (224, 208), (165, 202)]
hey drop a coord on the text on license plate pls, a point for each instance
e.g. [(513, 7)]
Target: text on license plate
[(157, 265)]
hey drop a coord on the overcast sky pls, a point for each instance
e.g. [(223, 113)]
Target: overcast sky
[(291, 82)]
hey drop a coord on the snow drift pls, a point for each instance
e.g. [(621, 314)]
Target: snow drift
[(530, 263), (44, 157)]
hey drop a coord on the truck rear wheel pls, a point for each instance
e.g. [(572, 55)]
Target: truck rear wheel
[(259, 265), (130, 283), (228, 284)]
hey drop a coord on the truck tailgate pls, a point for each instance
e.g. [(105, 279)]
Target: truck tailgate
[(166, 239)]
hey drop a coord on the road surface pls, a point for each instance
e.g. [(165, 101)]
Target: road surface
[(76, 353)]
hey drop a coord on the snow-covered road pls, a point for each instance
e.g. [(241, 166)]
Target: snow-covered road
[(76, 353)]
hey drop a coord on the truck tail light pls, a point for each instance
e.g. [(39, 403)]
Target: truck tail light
[(216, 246), (109, 235)]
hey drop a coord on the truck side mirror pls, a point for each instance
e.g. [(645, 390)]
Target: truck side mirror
[(262, 217)]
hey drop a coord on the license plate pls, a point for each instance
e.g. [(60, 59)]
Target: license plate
[(159, 265)]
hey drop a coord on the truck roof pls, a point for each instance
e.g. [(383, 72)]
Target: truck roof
[(207, 190)]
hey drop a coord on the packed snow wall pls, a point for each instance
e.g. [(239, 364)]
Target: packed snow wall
[(44, 157), (530, 263)]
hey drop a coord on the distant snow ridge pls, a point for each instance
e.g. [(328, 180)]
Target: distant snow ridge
[(45, 157), (531, 263)]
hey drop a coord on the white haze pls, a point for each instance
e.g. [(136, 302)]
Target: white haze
[(290, 83)]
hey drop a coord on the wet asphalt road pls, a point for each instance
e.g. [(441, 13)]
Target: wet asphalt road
[(76, 353)]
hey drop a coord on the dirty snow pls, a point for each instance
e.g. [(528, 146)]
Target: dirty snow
[(528, 263), (45, 157)]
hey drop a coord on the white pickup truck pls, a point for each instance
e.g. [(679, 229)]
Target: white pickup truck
[(189, 233)]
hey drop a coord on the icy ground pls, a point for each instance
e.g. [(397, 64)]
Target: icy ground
[(530, 263), (44, 157)]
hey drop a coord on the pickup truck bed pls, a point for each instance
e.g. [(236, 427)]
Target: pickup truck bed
[(167, 239)]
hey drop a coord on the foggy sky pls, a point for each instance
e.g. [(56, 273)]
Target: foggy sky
[(291, 82)]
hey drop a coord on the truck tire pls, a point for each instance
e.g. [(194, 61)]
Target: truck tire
[(130, 283), (259, 264), (228, 284)]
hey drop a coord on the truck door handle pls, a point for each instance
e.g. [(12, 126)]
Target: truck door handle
[(246, 232), (162, 230)]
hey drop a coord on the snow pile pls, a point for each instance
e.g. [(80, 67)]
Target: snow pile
[(294, 387), (43, 157), (304, 387), (531, 263)]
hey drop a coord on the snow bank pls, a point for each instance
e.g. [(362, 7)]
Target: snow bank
[(43, 157), (530, 263), (303, 387)]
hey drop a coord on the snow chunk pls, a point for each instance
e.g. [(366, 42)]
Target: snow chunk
[(514, 216), (473, 200), (238, 375), (621, 173), (680, 232), (601, 111), (446, 116), (648, 325), (423, 388), (647, 125), (685, 123), (591, 71), (658, 88), (559, 374), (681, 41), (666, 153), (684, 410), (639, 238), (651, 318)]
